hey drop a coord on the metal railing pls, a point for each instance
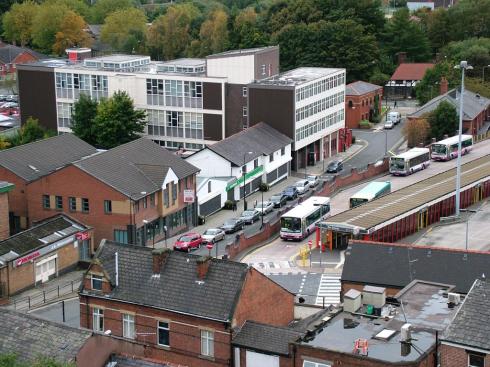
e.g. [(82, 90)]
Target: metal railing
[(46, 295)]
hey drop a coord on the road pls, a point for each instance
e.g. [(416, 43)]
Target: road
[(54, 312)]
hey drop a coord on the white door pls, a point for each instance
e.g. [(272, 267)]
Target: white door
[(261, 360), (44, 269)]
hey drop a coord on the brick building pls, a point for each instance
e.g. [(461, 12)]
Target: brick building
[(130, 193), (5, 187), (466, 342), (406, 76), (26, 163), (183, 308), (11, 55), (42, 252), (360, 102)]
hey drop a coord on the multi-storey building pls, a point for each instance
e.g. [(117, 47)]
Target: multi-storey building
[(309, 108)]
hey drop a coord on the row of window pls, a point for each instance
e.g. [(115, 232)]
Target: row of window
[(181, 93), (319, 87), (179, 145), (175, 124), (163, 331), (72, 203), (319, 125), (271, 159), (70, 85), (64, 111), (319, 106)]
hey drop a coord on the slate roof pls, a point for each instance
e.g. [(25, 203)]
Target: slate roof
[(8, 53), (260, 139), (29, 337), (29, 240), (34, 160), (471, 325), (265, 338), (177, 288), (411, 71), (134, 167), (472, 105), (434, 264), (360, 88)]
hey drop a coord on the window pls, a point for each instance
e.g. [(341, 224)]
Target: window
[(121, 236), (166, 199), (262, 69), (207, 343), (96, 282), (152, 199), (245, 111), (283, 150), (174, 193), (476, 360), (163, 333), (72, 204), (107, 206), (85, 205), (244, 91), (271, 157), (46, 203), (315, 364), (145, 202), (256, 163), (128, 326), (209, 187), (98, 320)]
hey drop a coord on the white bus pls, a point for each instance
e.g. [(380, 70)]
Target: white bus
[(300, 221), (447, 149), (414, 160)]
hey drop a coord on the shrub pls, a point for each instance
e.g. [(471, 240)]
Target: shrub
[(229, 204), (264, 187), (364, 124)]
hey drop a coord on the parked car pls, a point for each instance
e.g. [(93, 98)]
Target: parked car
[(233, 225), (213, 235), (188, 242), (303, 186), (313, 180), (250, 216), (335, 167), (278, 200), (394, 117), (264, 207), (389, 124), (290, 192)]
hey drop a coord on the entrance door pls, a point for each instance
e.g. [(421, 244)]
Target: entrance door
[(45, 269), (423, 218)]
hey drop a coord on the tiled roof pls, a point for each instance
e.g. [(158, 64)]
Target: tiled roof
[(415, 71), (135, 167), (391, 268), (471, 325), (359, 88), (34, 160), (177, 288), (265, 338), (8, 53), (30, 239), (29, 337), (260, 139)]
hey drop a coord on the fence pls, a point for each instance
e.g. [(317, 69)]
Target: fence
[(46, 295)]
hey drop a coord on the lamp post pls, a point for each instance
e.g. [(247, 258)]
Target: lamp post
[(165, 232), (262, 218), (483, 73), (467, 225), (463, 66), (244, 171)]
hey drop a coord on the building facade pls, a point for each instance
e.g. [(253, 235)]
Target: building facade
[(5, 187), (362, 102), (11, 55)]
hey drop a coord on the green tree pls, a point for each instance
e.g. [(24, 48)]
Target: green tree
[(214, 33), (47, 23), (18, 22), (78, 6), (125, 25), (438, 28), (474, 50), (72, 33), (443, 120), (429, 86), (246, 31), (469, 18), (117, 121), (102, 8), (83, 119), (11, 360)]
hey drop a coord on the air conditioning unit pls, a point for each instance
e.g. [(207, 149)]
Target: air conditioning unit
[(406, 333), (454, 298)]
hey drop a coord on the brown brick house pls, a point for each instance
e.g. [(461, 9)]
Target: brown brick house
[(129, 193), (360, 101), (183, 308), (11, 55)]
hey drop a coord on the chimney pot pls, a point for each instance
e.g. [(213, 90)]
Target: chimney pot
[(203, 266), (443, 86), (159, 258)]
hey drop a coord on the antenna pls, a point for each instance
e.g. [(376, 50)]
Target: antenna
[(117, 268)]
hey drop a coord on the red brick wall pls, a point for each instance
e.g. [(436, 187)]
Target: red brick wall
[(4, 216), (361, 105), (22, 58), (456, 357), (18, 195), (185, 332), (263, 300)]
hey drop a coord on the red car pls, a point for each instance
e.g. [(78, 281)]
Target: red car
[(188, 242)]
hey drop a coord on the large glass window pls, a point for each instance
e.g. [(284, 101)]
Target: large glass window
[(207, 343), (98, 320), (72, 204), (290, 224), (46, 202), (128, 326), (163, 333), (64, 111), (476, 360), (121, 236)]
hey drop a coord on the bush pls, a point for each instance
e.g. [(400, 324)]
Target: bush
[(229, 204), (264, 187), (364, 124)]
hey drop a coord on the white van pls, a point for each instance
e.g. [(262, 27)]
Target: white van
[(395, 117)]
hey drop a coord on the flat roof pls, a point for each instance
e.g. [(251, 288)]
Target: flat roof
[(118, 58), (408, 199), (185, 62), (298, 76), (412, 153), (246, 51)]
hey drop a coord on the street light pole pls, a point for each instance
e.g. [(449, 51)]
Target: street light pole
[(463, 66), (467, 225), (262, 222), (244, 171)]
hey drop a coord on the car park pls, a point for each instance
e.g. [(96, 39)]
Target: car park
[(290, 192), (313, 181), (278, 200), (188, 241), (302, 186), (335, 167), (233, 225), (250, 216), (213, 235), (265, 207)]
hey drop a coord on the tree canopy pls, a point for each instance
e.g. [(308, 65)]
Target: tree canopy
[(125, 30), (443, 120), (83, 116)]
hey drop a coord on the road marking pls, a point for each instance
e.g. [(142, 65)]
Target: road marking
[(328, 290)]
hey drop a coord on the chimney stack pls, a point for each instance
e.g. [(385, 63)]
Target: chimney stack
[(203, 266), (402, 57), (443, 86), (160, 256)]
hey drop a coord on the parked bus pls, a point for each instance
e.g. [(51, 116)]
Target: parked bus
[(372, 191), (300, 221), (447, 149), (414, 160)]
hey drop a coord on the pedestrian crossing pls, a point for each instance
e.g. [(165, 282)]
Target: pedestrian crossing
[(328, 290), (277, 267)]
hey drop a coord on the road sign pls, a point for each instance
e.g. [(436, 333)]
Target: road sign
[(310, 243), (188, 196)]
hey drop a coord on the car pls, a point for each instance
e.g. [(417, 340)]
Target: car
[(265, 207), (290, 192), (335, 167), (232, 225), (313, 181), (250, 216), (188, 241), (278, 200), (213, 235), (389, 124), (303, 186)]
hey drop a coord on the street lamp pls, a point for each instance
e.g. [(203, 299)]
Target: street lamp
[(463, 66), (483, 74), (132, 218), (244, 171), (467, 224), (165, 232), (262, 218)]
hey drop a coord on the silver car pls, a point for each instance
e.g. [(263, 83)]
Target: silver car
[(303, 186), (265, 207), (213, 235)]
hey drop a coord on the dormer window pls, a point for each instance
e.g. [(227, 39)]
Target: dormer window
[(96, 282)]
